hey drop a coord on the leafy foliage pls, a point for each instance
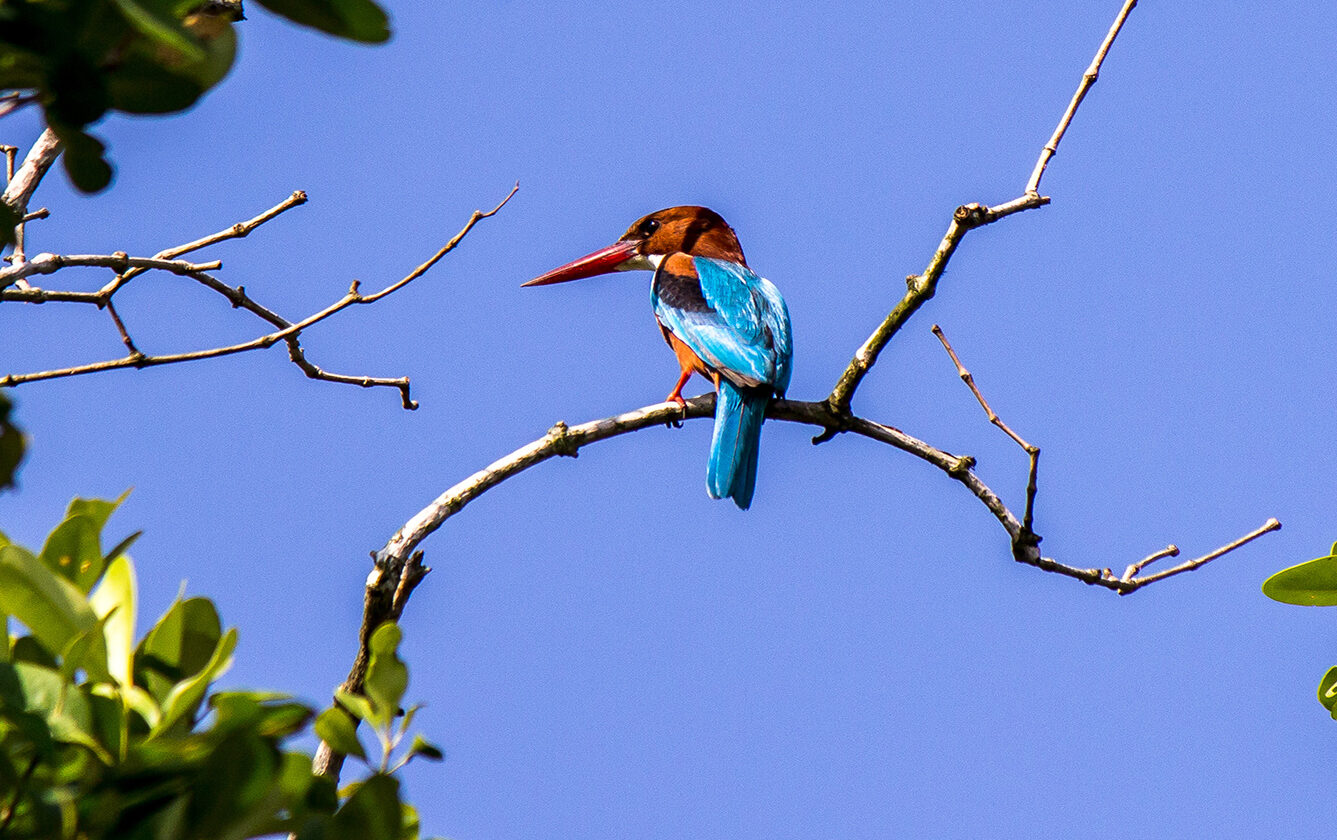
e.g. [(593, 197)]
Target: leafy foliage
[(1311, 584), (83, 58), (102, 736), (11, 443)]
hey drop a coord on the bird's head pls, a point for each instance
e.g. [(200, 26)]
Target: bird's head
[(698, 231)]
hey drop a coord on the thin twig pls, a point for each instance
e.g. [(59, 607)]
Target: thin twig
[(1088, 79), (238, 231), (125, 334), (923, 286), (478, 215), (1033, 452), (1189, 565), (1170, 550)]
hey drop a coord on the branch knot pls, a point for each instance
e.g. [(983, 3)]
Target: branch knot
[(972, 215), (963, 465), (562, 441)]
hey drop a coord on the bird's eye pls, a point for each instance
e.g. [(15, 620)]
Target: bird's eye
[(649, 226)]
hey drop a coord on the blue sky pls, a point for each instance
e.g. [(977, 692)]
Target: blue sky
[(604, 651)]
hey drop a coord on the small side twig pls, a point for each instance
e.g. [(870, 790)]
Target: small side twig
[(238, 231), (22, 183), (922, 287), (478, 215), (967, 377), (129, 343), (1170, 550), (1198, 562)]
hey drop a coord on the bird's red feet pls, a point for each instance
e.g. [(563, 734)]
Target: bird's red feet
[(675, 396)]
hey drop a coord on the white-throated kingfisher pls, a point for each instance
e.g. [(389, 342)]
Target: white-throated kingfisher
[(722, 320)]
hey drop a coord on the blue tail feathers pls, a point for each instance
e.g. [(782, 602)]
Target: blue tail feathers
[(733, 449)]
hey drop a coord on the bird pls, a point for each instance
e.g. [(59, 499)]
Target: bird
[(722, 320)]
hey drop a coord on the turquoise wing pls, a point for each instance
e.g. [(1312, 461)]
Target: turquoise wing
[(735, 320)]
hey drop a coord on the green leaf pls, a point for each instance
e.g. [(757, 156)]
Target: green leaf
[(87, 651), (411, 827), (84, 159), (233, 784), (410, 713), (47, 604), (11, 439), (422, 747), (66, 708), (143, 704), (338, 729), (1327, 691), (140, 85), (154, 20), (357, 705), (74, 551), (357, 20), (1312, 584), (179, 646), (186, 696), (387, 676), (268, 715), (372, 812), (122, 546), (28, 649), (114, 602), (77, 92), (99, 510)]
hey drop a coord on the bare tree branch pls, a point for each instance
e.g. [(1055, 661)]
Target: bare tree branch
[(238, 231), (51, 263), (14, 100), (922, 287), (21, 184), (288, 332), (1028, 518), (18, 192), (398, 565), (1088, 79)]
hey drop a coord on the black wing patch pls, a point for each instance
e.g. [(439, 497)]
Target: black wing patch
[(681, 291)]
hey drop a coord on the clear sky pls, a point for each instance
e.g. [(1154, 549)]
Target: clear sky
[(605, 652)]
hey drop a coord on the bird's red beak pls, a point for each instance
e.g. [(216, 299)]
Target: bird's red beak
[(603, 261)]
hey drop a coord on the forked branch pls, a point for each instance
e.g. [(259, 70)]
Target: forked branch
[(126, 268), (923, 286)]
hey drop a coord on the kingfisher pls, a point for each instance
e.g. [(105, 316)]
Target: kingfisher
[(722, 320)]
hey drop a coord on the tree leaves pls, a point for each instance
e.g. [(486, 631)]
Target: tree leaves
[(357, 20), (1311, 584), (123, 751), (336, 728), (387, 676), (84, 59)]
